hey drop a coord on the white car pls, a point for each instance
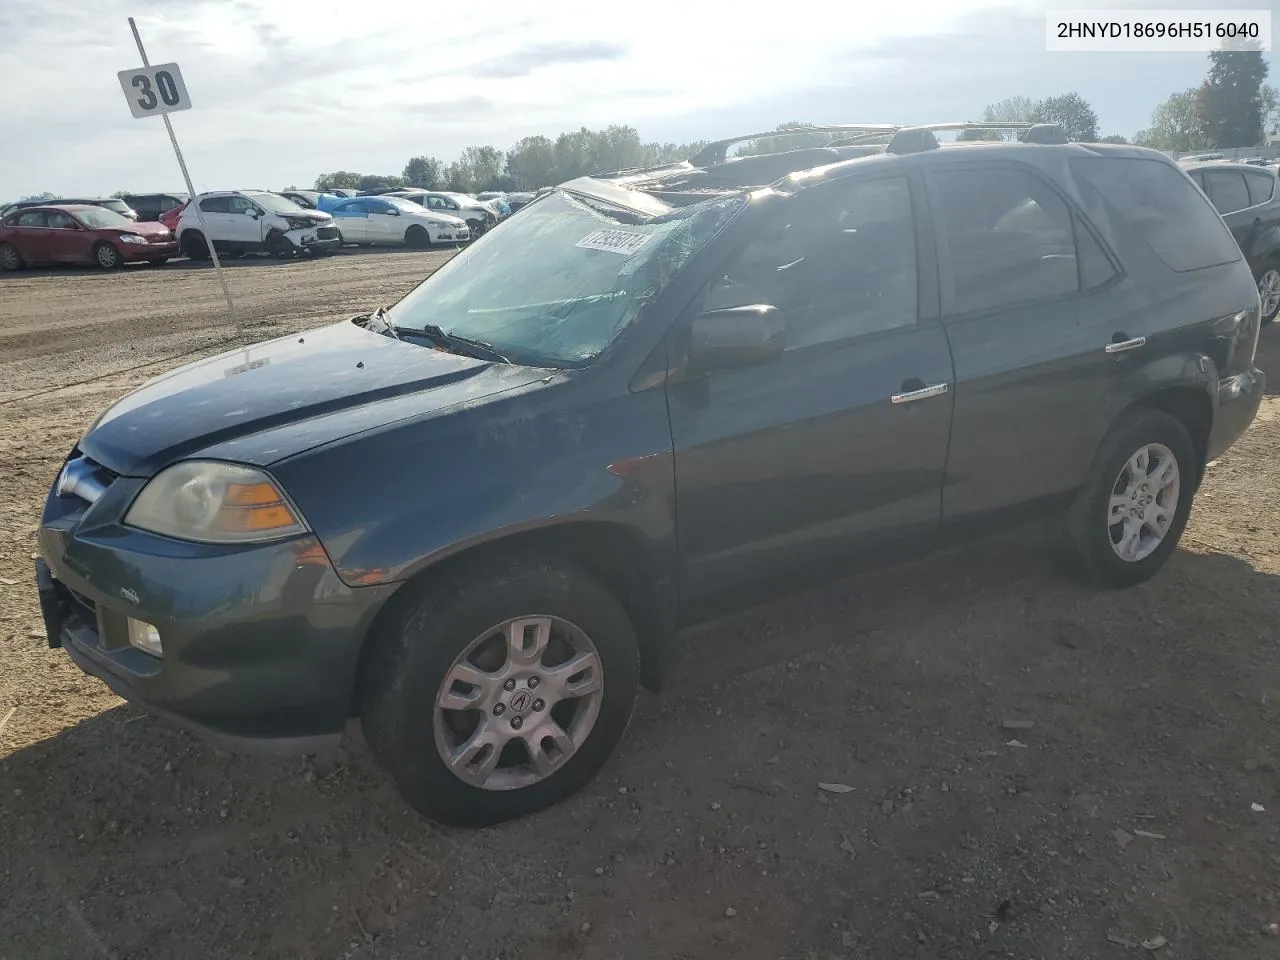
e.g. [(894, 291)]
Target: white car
[(248, 221), (379, 220), (480, 216)]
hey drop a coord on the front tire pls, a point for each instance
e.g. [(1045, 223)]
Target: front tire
[(1269, 291), (417, 238), (107, 256), (281, 247), (499, 691), (1128, 518), (195, 246), (476, 227), (10, 258)]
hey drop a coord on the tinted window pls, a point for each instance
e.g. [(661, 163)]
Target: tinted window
[(1261, 186), (33, 218), (241, 205), (1010, 237), (1095, 267), (216, 204), (839, 261), (57, 220), (1157, 199), (1227, 190)]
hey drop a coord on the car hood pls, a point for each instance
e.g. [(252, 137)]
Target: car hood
[(315, 216), (144, 228), (273, 400), (440, 219)]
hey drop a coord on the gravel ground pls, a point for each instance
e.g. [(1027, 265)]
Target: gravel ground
[(1024, 768)]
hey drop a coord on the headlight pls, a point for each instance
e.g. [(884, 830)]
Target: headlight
[(132, 238), (299, 224), (212, 502)]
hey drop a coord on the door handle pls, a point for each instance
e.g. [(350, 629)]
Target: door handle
[(923, 393), (1118, 345)]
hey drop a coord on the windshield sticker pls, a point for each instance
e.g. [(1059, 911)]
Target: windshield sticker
[(614, 241)]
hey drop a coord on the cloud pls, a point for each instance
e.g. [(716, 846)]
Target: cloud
[(538, 56)]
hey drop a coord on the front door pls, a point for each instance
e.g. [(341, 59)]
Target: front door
[(246, 223), (838, 446), (67, 241)]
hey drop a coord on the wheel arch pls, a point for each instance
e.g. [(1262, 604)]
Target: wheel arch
[(1190, 406), (609, 551)]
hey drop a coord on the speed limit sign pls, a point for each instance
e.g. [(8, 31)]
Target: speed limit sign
[(154, 91)]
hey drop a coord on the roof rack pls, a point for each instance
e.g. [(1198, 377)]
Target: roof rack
[(716, 152)]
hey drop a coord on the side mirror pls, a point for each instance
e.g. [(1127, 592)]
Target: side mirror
[(392, 212), (734, 337)]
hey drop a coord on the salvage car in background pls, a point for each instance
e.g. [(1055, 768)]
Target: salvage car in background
[(80, 234), (479, 215), (1248, 197), (254, 221), (114, 204), (384, 220), (150, 206)]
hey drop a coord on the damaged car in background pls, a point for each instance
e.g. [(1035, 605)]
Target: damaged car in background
[(475, 518)]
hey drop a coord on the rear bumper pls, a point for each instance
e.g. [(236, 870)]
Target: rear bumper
[(260, 646), (1239, 398)]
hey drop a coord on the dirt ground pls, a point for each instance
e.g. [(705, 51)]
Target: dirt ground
[(1123, 814)]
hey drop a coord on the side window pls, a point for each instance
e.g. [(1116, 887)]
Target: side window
[(216, 204), (1161, 204), (1262, 187), (33, 218), (1011, 239), (1226, 190), (1095, 267), (241, 205), (840, 261), (57, 220)]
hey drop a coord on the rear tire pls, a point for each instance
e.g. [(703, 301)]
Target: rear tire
[(1269, 290), (436, 627), (107, 256), (417, 237), (10, 258), (1151, 501), (194, 245)]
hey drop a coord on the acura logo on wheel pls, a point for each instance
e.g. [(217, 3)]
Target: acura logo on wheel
[(520, 701)]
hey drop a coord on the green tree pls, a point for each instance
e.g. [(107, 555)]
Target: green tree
[(425, 172), (458, 176), (40, 196), (342, 179), (373, 181), (1269, 99), (1014, 109), (1176, 126), (1072, 113), (1229, 104), (531, 161), (1114, 138), (486, 165)]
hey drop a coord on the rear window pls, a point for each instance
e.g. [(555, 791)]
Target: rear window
[(1170, 214)]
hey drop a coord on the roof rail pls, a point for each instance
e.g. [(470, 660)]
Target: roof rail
[(717, 151), (941, 127)]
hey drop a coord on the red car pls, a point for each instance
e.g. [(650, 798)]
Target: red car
[(170, 217), (77, 233)]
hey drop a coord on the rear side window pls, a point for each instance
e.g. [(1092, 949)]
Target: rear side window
[(216, 204), (1169, 213), (1226, 190), (1009, 237), (1262, 187)]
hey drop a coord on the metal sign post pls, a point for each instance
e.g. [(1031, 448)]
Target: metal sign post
[(159, 91)]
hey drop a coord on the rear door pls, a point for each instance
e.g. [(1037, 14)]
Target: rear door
[(219, 224), (1229, 193), (1029, 305), (814, 458), (31, 237)]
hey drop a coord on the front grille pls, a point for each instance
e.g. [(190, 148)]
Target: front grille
[(327, 233)]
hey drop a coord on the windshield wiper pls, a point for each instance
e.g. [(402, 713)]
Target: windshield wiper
[(465, 345)]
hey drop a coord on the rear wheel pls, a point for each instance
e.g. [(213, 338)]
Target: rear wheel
[(417, 237), (194, 245), (1269, 291), (1128, 518), (499, 691), (10, 258), (107, 256)]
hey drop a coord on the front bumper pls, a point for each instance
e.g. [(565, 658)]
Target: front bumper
[(261, 644), (1239, 397), (315, 239), (147, 251)]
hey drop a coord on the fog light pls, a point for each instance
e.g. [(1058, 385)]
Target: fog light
[(145, 637)]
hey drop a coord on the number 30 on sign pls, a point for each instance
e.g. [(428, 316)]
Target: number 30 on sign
[(152, 91)]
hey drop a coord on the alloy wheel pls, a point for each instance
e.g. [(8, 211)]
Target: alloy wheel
[(518, 702), (1144, 502), (9, 259), (1269, 291), (108, 257)]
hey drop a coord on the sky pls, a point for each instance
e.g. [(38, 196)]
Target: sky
[(284, 90)]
